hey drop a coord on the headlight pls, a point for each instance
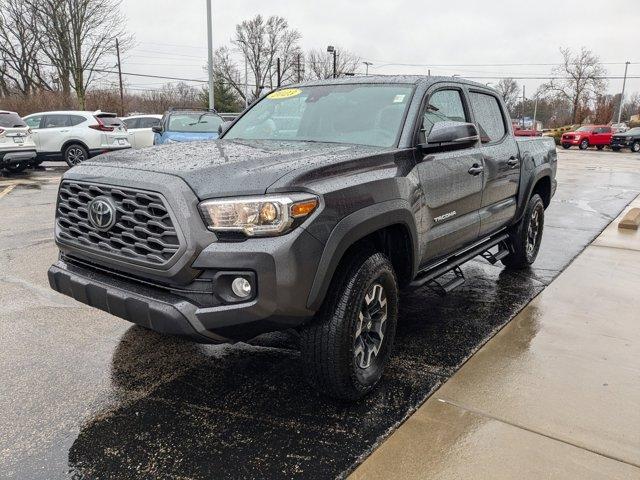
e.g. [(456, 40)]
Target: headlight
[(577, 137), (267, 215)]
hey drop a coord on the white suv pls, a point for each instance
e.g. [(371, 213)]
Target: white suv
[(17, 150), (139, 127), (75, 136)]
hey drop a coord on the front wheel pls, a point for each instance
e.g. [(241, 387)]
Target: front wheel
[(347, 346), (584, 144), (566, 146), (75, 154), (526, 236)]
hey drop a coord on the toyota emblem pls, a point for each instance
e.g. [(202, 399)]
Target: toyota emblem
[(102, 213)]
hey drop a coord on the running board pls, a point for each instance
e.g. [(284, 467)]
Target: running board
[(430, 275)]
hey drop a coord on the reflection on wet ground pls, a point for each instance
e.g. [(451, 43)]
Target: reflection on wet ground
[(93, 397)]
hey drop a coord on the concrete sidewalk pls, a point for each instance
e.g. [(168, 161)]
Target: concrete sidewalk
[(555, 394)]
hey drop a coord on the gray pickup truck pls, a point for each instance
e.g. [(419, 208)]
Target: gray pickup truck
[(316, 206)]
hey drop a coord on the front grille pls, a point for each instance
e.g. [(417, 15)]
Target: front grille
[(143, 232)]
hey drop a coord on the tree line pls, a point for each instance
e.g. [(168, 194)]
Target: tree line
[(53, 51), (576, 94)]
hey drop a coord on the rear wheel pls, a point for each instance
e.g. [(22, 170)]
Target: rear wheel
[(584, 144), (347, 347), (526, 235), (16, 167), (75, 154), (635, 147)]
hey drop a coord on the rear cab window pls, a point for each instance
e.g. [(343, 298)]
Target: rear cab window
[(11, 120), (489, 117)]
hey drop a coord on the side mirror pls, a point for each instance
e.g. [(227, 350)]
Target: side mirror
[(223, 127), (156, 129), (451, 135)]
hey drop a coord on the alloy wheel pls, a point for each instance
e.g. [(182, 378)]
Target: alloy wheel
[(533, 232), (76, 156), (371, 326)]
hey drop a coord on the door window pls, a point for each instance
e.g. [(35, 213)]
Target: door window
[(132, 123), (489, 117), (75, 120), (33, 122), (148, 122), (443, 106), (56, 121)]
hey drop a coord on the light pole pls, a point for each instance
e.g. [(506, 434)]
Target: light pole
[(210, 56), (624, 84), (331, 49), (367, 65)]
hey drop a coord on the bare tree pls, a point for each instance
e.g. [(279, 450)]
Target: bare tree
[(509, 89), (579, 78), (19, 48), (78, 36), (320, 63), (261, 42)]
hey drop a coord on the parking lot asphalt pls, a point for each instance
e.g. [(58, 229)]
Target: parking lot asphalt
[(87, 395)]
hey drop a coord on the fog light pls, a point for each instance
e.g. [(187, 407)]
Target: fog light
[(241, 287)]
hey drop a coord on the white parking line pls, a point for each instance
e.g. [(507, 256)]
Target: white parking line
[(7, 190)]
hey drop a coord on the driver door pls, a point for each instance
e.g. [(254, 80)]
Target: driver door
[(451, 180)]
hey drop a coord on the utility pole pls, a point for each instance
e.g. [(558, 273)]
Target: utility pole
[(367, 65), (331, 49), (524, 97), (246, 83), (212, 105), (535, 114), (624, 84), (120, 78), (278, 72)]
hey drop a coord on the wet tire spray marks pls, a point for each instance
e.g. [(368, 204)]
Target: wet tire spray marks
[(179, 410)]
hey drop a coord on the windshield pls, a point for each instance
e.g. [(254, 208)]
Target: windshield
[(196, 122), (10, 119), (634, 131), (584, 129), (358, 114)]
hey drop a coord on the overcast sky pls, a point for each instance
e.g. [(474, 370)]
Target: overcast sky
[(171, 34)]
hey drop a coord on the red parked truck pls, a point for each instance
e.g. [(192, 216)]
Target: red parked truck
[(597, 136)]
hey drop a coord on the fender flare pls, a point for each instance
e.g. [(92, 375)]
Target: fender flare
[(354, 227), (534, 176)]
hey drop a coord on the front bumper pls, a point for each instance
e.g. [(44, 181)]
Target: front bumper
[(621, 142), (283, 269), (571, 141)]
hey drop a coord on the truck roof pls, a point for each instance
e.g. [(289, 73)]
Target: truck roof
[(395, 79)]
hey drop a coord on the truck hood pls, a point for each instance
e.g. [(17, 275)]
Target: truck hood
[(225, 168), (186, 136)]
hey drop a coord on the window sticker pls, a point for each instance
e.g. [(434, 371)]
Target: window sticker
[(285, 93), (399, 98)]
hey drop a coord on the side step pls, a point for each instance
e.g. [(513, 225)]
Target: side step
[(430, 275)]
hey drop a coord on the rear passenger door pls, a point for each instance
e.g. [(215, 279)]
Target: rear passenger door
[(54, 129), (501, 161), (450, 180)]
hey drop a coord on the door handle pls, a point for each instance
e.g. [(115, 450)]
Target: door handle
[(476, 169), (513, 161), (64, 131)]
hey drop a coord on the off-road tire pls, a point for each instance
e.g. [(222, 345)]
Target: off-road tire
[(328, 343), (75, 154), (566, 146), (584, 144), (521, 256)]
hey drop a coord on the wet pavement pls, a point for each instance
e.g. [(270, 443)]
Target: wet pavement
[(86, 395)]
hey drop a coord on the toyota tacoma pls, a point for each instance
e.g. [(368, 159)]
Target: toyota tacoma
[(314, 208)]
